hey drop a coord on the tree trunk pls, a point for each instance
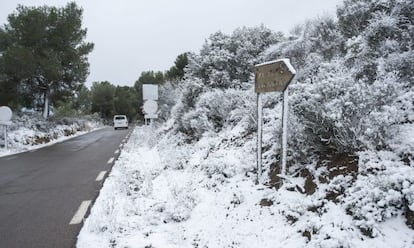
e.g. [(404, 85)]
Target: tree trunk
[(46, 104)]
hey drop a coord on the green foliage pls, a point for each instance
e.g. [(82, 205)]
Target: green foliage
[(176, 72), (148, 77), (103, 95), (126, 102), (83, 100), (108, 100), (8, 94), (44, 56), (65, 109)]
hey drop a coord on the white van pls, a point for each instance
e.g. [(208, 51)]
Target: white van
[(120, 121)]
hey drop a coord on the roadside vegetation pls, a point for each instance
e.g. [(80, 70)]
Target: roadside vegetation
[(350, 180), (43, 69), (351, 118), (44, 66)]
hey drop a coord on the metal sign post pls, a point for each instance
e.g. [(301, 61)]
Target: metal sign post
[(259, 137), (284, 130), (272, 76)]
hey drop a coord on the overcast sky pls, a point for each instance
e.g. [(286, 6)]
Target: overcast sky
[(132, 36)]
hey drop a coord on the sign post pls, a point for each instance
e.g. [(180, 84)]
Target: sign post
[(284, 130), (150, 97), (272, 76), (5, 117), (259, 137)]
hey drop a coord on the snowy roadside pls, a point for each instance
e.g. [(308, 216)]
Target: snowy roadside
[(160, 194), (19, 138), (149, 201)]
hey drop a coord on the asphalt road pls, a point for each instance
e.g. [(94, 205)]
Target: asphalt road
[(41, 190)]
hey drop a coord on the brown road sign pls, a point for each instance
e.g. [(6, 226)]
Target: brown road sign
[(273, 76)]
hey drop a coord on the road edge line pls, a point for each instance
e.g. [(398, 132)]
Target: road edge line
[(100, 176), (80, 213)]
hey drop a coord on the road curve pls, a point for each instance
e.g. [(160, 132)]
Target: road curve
[(43, 191)]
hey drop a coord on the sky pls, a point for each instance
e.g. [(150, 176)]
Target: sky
[(132, 36)]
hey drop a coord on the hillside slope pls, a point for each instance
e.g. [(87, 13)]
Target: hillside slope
[(165, 193), (350, 179)]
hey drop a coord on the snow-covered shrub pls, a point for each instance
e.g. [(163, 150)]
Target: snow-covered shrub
[(379, 193), (309, 44), (217, 108), (228, 60), (378, 31), (195, 123), (325, 38), (192, 88), (169, 95), (346, 115), (30, 128), (213, 109), (181, 203), (399, 62)]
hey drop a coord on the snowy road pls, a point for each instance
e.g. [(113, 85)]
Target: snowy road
[(45, 193)]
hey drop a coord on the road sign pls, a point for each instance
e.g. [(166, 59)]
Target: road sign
[(150, 97), (273, 76), (5, 114), (150, 107), (150, 92)]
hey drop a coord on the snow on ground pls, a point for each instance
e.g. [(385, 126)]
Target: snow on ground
[(160, 194), (26, 138)]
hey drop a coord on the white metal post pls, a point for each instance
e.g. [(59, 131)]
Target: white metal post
[(259, 137), (284, 130)]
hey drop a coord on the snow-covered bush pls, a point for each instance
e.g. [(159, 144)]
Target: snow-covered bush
[(344, 115), (169, 94), (228, 60), (381, 190), (215, 109), (191, 89), (217, 89), (30, 128)]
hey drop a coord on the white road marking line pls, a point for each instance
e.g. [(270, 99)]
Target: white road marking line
[(80, 213), (117, 151), (110, 161), (100, 176)]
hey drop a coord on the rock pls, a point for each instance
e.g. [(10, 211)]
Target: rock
[(310, 185), (409, 215), (266, 203)]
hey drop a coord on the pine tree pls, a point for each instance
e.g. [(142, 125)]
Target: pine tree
[(44, 54)]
